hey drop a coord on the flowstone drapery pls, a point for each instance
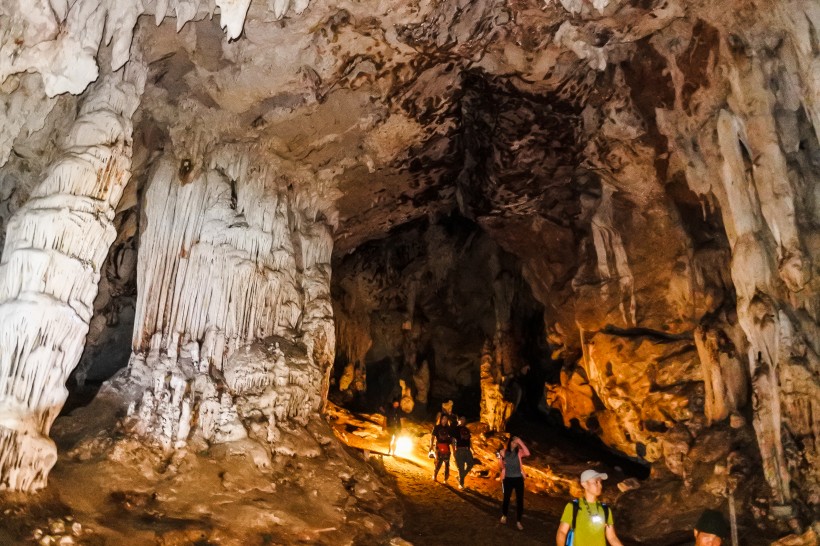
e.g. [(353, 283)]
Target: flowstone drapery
[(54, 250), (232, 265)]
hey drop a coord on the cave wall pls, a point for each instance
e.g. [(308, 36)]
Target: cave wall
[(422, 306), (706, 317)]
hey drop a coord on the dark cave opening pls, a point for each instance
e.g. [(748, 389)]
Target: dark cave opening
[(423, 297)]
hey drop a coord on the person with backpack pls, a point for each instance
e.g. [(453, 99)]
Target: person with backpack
[(392, 422), (512, 478), (464, 453), (440, 439), (586, 521)]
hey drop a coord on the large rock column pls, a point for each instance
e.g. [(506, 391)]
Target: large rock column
[(233, 297), (55, 246)]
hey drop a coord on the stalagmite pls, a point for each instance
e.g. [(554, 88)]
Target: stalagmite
[(494, 409), (55, 247), (421, 380)]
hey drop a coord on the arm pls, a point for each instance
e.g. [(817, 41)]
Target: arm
[(522, 449), (501, 467), (561, 536), (612, 537)]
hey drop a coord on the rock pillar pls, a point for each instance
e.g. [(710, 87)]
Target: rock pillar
[(55, 247)]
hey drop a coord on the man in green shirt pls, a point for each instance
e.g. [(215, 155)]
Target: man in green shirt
[(593, 520)]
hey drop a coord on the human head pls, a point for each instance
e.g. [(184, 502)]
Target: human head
[(444, 420), (462, 420), (395, 402), (711, 529), (510, 441), (591, 482)]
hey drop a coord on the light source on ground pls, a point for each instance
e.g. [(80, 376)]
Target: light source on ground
[(404, 444)]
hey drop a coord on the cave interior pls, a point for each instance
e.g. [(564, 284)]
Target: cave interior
[(234, 232)]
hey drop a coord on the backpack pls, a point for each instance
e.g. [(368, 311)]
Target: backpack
[(576, 504)]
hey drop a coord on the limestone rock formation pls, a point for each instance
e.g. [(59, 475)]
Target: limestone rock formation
[(227, 255), (632, 183), (54, 249)]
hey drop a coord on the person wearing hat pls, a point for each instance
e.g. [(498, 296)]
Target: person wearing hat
[(711, 529), (587, 520)]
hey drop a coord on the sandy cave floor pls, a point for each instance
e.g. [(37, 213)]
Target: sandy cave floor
[(439, 513)]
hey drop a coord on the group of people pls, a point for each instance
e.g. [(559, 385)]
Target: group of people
[(510, 461), (586, 521), (446, 435)]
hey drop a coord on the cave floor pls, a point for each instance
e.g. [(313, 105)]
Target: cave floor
[(440, 513)]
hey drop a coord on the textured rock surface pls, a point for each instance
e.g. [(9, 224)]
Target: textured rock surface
[(649, 167), (229, 255), (55, 246)]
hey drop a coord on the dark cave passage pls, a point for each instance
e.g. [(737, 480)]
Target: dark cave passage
[(424, 298)]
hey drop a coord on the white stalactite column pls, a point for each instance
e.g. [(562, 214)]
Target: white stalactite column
[(55, 246), (319, 334), (234, 252)]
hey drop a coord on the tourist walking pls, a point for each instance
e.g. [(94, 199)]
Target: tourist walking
[(392, 423), (440, 440), (464, 452), (587, 521), (512, 478)]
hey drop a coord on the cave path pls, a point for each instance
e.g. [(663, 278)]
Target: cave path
[(437, 513)]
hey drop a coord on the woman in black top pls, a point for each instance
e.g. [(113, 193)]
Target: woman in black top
[(464, 452)]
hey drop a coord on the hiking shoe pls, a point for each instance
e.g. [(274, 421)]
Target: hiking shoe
[(460, 486), (503, 519), (520, 527)]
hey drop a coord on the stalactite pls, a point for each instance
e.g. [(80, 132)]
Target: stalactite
[(60, 40), (758, 189), (228, 262), (55, 247), (724, 377), (613, 264)]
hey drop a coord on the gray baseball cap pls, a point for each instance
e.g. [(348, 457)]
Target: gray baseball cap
[(590, 474)]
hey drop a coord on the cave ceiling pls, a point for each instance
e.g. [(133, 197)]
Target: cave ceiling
[(411, 109)]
